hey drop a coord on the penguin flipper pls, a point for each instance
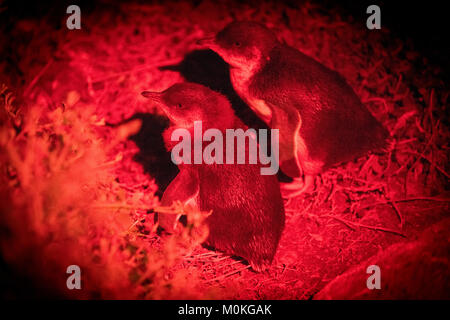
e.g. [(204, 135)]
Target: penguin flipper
[(185, 188), (288, 122)]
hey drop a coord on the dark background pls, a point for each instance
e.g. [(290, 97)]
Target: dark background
[(422, 21)]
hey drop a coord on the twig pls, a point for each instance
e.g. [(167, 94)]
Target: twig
[(405, 200), (399, 214), (394, 206), (422, 154), (406, 141), (228, 274), (364, 189), (37, 77), (118, 206), (433, 164), (205, 254), (354, 226)]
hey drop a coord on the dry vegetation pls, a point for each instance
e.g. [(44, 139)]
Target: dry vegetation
[(75, 190)]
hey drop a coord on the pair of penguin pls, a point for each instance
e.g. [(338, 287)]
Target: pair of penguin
[(321, 123)]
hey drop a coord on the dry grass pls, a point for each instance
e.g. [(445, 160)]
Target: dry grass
[(73, 191), (62, 206)]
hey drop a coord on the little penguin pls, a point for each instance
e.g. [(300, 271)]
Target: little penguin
[(321, 120), (248, 215)]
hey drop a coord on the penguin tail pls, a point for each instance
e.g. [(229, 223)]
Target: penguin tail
[(260, 266), (384, 145), (391, 142)]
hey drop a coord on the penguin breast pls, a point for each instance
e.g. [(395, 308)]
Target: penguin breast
[(240, 80)]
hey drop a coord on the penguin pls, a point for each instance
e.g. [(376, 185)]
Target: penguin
[(248, 215), (321, 120)]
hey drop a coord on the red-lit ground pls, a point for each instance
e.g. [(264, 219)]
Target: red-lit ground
[(76, 191)]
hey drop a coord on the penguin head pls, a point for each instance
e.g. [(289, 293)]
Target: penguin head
[(186, 102), (242, 43)]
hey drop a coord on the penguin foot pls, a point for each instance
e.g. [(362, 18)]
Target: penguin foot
[(296, 184), (297, 187)]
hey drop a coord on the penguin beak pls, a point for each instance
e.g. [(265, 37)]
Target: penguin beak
[(154, 96), (208, 42)]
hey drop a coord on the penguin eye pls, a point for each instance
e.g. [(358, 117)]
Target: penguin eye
[(237, 44)]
